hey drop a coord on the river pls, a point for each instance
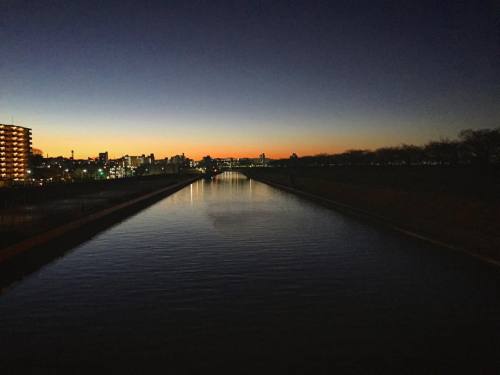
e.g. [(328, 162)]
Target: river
[(234, 273)]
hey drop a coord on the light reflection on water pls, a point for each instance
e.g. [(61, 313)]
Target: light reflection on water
[(232, 271)]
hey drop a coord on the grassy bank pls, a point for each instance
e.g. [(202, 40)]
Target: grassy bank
[(32, 210), (50, 234), (457, 206)]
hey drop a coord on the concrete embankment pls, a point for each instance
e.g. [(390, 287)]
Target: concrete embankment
[(428, 217), (30, 253)]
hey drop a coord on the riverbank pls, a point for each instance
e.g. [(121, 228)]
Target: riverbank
[(455, 208), (33, 234)]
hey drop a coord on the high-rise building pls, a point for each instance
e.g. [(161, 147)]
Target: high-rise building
[(15, 150), (103, 157), (262, 160), (133, 161)]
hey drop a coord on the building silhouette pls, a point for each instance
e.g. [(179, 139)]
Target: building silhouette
[(103, 157)]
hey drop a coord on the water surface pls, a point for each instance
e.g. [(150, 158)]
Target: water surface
[(236, 273)]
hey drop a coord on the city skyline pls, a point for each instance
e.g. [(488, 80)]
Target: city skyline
[(454, 140), (238, 79)]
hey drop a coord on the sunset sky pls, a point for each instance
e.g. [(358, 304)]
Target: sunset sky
[(244, 77)]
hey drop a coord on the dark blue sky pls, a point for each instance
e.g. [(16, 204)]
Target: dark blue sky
[(234, 78)]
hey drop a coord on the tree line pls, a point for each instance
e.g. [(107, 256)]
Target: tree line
[(479, 147)]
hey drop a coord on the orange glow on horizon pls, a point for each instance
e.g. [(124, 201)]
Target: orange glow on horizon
[(86, 146), (194, 150), (196, 141), (191, 152)]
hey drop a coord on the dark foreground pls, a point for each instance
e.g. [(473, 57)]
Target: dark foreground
[(236, 275), (459, 206)]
